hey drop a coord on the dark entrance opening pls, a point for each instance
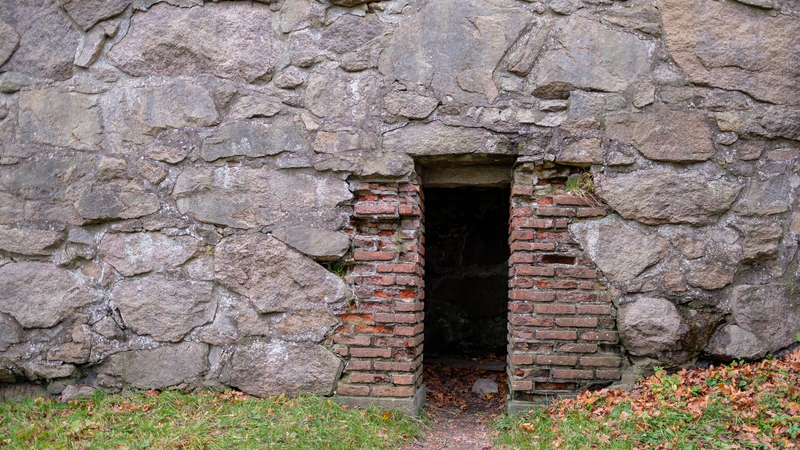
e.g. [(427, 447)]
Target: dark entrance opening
[(466, 271)]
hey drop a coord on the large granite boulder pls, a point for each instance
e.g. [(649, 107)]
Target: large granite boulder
[(39, 295), (254, 139), (619, 250), (769, 312), (165, 309), (86, 13), (229, 40), (266, 368), (730, 47), (436, 138), (649, 326), (61, 119), (136, 253), (161, 367), (30, 241), (436, 47), (664, 195), (274, 276), (590, 56)]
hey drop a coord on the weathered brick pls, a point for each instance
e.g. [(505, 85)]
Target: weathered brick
[(532, 296), (367, 197), (577, 322), (408, 306), (341, 350), (558, 335), (521, 385), (555, 211), (535, 271), (349, 389), (409, 331), (403, 379), (409, 210), (576, 273), (373, 329), (522, 360), (373, 256), (360, 352), (521, 190), (555, 309), (394, 318), (521, 212), (375, 208), (605, 374), (594, 309), (520, 308), (378, 280), (576, 297), (356, 318), (573, 374), (531, 223), (530, 321), (576, 348), (607, 336), (395, 293), (556, 360), (398, 268), (521, 235), (591, 212), (560, 236), (521, 283), (601, 361), (368, 377), (545, 201), (407, 280), (524, 335), (393, 391), (573, 200), (556, 284), (355, 364), (359, 340), (521, 258), (562, 223), (363, 293), (376, 306), (396, 366)]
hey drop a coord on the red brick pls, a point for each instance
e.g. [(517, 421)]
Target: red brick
[(522, 360), (360, 352), (576, 297), (576, 273), (608, 336), (359, 340), (375, 208), (535, 271), (395, 293), (373, 329), (531, 223), (521, 283), (572, 374), (367, 198), (532, 296), (407, 280), (545, 201), (521, 258), (376, 306), (554, 211), (395, 318), (408, 187), (557, 335), (521, 212), (395, 366), (553, 236), (577, 322), (341, 351), (355, 364), (573, 200), (544, 246), (409, 331), (523, 246), (594, 309), (521, 385), (408, 306), (368, 378), (408, 210), (393, 391), (591, 212), (349, 389), (373, 256), (363, 293), (403, 379), (356, 318), (556, 360), (519, 235), (555, 309), (378, 281), (576, 348), (398, 268), (556, 284), (604, 374), (601, 361), (530, 321), (520, 308), (562, 223), (412, 258)]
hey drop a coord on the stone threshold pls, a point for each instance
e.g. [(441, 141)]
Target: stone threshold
[(409, 405)]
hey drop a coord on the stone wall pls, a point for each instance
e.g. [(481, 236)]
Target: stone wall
[(218, 185)]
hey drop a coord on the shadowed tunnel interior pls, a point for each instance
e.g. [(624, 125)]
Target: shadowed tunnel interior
[(466, 270)]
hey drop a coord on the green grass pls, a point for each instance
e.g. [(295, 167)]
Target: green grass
[(172, 420), (739, 406)]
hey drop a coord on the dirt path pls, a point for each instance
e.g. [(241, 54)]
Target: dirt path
[(460, 419)]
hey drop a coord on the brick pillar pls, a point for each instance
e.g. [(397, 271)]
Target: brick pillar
[(561, 326), (381, 335)]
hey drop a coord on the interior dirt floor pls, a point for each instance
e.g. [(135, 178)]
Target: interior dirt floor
[(460, 419)]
